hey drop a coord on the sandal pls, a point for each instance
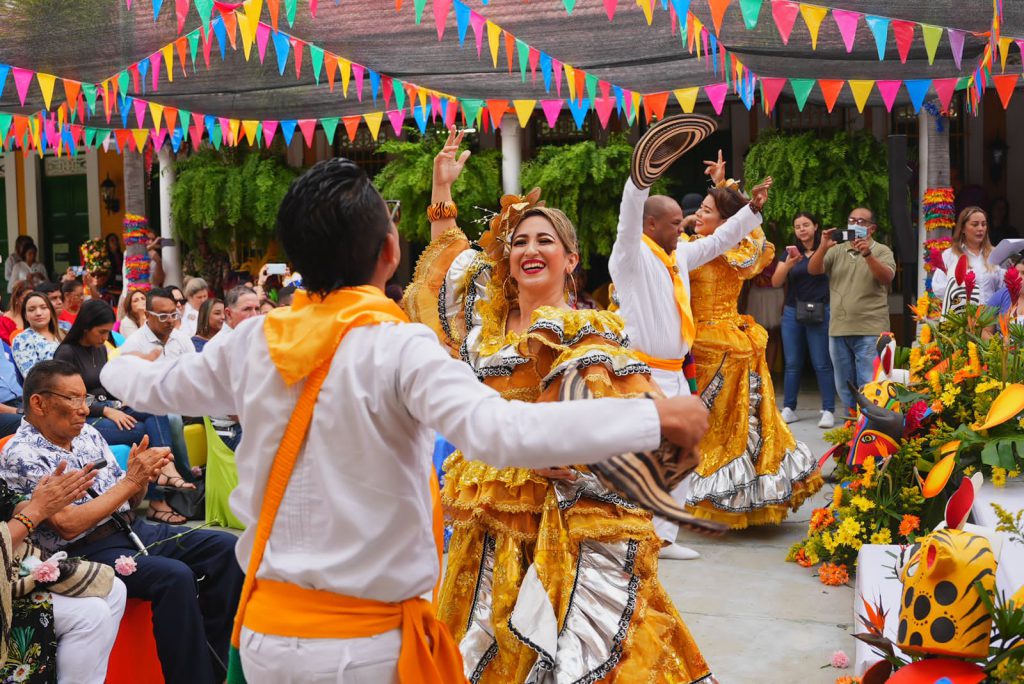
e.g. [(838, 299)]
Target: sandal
[(173, 482), (166, 517)]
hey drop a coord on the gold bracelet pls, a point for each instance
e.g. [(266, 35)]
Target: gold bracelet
[(442, 210)]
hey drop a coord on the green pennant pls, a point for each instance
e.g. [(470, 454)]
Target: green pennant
[(630, 114), (216, 136), (472, 110), (184, 120), (193, 47), (801, 89), (90, 137), (316, 55), (591, 82), (419, 5), (5, 126), (330, 125), (964, 83), (524, 57), (259, 134), (123, 79), (89, 90), (399, 89), (751, 10), (570, 5), (289, 8), (931, 40), (205, 9)]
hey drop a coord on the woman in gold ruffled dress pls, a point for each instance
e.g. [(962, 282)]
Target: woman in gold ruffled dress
[(753, 476), (550, 577)]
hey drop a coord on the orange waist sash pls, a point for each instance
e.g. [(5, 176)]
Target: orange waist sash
[(670, 365)]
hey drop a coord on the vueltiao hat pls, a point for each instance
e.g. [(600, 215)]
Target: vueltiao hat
[(664, 143)]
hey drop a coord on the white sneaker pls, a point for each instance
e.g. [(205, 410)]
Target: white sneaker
[(827, 421), (677, 552), (789, 415)]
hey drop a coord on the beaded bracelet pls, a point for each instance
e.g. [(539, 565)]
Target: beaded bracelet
[(24, 520), (442, 210)]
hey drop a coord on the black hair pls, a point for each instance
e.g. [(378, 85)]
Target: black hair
[(40, 378), (159, 293), (48, 287), (69, 286), (93, 313), (333, 224), (52, 325), (817, 230)]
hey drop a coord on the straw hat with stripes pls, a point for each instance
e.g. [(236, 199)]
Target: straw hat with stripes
[(664, 143)]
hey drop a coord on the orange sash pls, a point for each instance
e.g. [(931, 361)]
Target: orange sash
[(688, 330), (670, 365)]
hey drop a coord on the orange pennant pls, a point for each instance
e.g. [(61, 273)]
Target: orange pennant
[(182, 46), (351, 125), (1005, 84), (497, 109), (170, 118), (654, 105), (230, 23), (718, 8), (510, 49), (331, 65), (273, 6), (71, 91), (830, 89)]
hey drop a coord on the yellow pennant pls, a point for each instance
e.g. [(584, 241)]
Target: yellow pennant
[(253, 10), (36, 128), (697, 27), (140, 135), (46, 82), (156, 111), (493, 37), (421, 95), (813, 16), (570, 80), (346, 74), (524, 110), (648, 7), (687, 98), (1004, 50), (250, 127), (637, 99), (245, 27), (234, 125), (861, 92), (168, 53), (373, 120)]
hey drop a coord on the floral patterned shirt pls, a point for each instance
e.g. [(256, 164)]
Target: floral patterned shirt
[(29, 456), (29, 348)]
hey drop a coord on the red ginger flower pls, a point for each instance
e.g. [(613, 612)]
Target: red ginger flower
[(1013, 282)]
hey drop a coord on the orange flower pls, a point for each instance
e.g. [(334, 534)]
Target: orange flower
[(821, 518), (801, 559), (1004, 325), (848, 680), (909, 524), (833, 575), (875, 620)]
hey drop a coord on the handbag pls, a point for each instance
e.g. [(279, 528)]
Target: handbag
[(78, 577), (190, 503), (810, 313)]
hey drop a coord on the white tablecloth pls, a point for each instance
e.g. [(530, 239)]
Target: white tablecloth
[(1010, 573)]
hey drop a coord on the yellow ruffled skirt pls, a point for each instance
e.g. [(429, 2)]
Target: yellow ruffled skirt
[(549, 578)]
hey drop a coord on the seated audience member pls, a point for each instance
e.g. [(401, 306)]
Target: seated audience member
[(41, 336), (11, 321), (193, 582), (52, 292), (133, 313), (29, 268), (285, 294), (85, 349), (196, 292), (159, 334), (179, 301), (211, 319), (51, 637), (73, 295), (240, 304), (266, 306), (10, 396)]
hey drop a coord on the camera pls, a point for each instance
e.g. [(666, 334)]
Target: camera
[(844, 235)]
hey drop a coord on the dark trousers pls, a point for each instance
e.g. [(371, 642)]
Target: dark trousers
[(193, 583)]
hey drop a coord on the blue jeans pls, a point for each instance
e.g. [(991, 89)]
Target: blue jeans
[(797, 340), (853, 357), (158, 428)]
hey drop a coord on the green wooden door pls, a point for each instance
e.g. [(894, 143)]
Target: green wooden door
[(65, 222)]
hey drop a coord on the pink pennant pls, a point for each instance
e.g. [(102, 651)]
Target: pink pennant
[(605, 87), (397, 118), (195, 132), (307, 126), (784, 12), (387, 87), (22, 79), (441, 10), (556, 69), (225, 131), (904, 32), (140, 112), (207, 44), (357, 73), (716, 93), (297, 46), (435, 107), (133, 71), (181, 11), (477, 22), (269, 129), (551, 110), (262, 38), (945, 87), (889, 90), (609, 8), (155, 60), (450, 113), (772, 88), (604, 106), (847, 22), (313, 5), (956, 44), (534, 60), (158, 138)]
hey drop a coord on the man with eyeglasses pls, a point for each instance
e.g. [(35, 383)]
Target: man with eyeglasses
[(859, 271), (240, 304), (160, 336)]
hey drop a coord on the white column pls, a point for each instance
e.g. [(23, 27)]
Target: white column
[(171, 255), (923, 121), (10, 163), (92, 190), (33, 198), (511, 155)]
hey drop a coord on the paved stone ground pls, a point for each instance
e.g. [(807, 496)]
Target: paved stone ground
[(756, 618)]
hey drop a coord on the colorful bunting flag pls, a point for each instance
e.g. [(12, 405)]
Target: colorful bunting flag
[(551, 109), (944, 88), (1005, 85), (861, 91), (847, 22), (931, 35), (770, 89), (784, 13), (373, 121), (830, 89), (904, 33), (880, 29), (801, 89), (687, 98), (888, 90), (524, 110), (751, 10), (813, 16), (716, 93), (917, 89)]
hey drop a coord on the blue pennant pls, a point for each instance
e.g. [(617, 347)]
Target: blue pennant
[(281, 46), (462, 21), (126, 107), (3, 77), (143, 73), (880, 28), (222, 35), (545, 68), (579, 110), (618, 100), (288, 130), (374, 84), (419, 115), (917, 88)]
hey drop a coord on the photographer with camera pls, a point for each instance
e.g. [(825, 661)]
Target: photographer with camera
[(859, 273)]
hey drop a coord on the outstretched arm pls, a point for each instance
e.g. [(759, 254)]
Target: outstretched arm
[(691, 255), (448, 165), (629, 238), (816, 266)]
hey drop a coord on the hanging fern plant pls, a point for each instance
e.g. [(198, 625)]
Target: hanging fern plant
[(407, 178), (826, 175)]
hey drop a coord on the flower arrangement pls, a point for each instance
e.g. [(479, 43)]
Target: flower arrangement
[(95, 257), (939, 210)]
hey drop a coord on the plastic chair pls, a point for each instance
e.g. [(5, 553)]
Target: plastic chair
[(134, 660), (121, 452), (221, 479), (195, 441)]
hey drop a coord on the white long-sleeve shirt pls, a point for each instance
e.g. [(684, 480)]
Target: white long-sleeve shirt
[(988, 277), (644, 286), (356, 518)]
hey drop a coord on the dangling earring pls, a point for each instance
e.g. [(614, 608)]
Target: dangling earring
[(575, 294)]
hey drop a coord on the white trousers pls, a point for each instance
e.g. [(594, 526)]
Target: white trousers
[(673, 385), (269, 659), (86, 630)]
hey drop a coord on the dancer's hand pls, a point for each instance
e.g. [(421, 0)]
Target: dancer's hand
[(568, 474), (715, 169), (448, 163), (759, 195), (684, 420)]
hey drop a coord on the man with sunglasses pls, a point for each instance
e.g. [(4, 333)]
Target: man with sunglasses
[(160, 336), (859, 273)]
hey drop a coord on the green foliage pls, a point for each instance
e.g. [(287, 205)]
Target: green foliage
[(228, 197), (585, 181), (827, 175), (407, 178)]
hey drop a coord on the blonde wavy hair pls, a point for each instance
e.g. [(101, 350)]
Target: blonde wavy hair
[(958, 235)]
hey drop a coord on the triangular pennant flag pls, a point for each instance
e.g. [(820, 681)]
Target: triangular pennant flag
[(308, 127), (681, 8), (140, 112), (590, 83), (297, 46), (813, 16), (956, 45), (904, 33), (289, 11), (889, 90), (157, 4), (90, 96), (346, 74), (4, 69), (931, 35), (944, 88), (397, 118), (609, 8), (330, 125), (229, 18), (493, 36), (861, 92), (90, 134), (784, 12), (751, 10), (262, 38), (216, 135), (155, 60), (545, 70), (5, 126), (497, 109), (534, 61), (193, 46), (313, 5), (579, 111), (461, 20), (22, 79), (569, 5), (716, 93), (233, 126), (181, 45), (269, 129), (399, 91), (205, 8), (281, 46), (288, 130), (718, 8), (357, 73), (123, 138), (604, 106), (441, 9), (221, 34), (351, 125), (185, 118), (477, 22), (523, 51), (419, 115), (687, 98), (847, 22), (1004, 50), (801, 89), (510, 49), (248, 35), (880, 29), (551, 109), (140, 135), (274, 7), (158, 138), (373, 121), (374, 84), (72, 89), (419, 6), (181, 11), (170, 118), (654, 105), (830, 88), (1005, 84), (917, 89), (470, 110), (556, 68), (46, 82), (249, 127), (771, 87), (156, 111), (316, 56), (524, 110)]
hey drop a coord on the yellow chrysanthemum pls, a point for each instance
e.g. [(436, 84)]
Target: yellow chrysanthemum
[(926, 335), (949, 394), (998, 476), (883, 536), (868, 477), (863, 504)]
